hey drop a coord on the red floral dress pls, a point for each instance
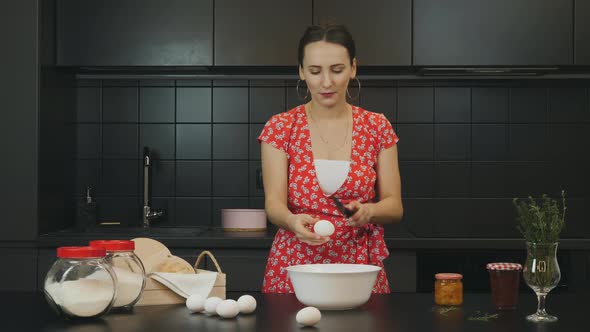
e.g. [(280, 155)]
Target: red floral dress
[(289, 132)]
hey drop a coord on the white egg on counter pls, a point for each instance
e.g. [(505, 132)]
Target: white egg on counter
[(247, 304), (195, 303), (211, 305), (323, 228), (228, 309), (308, 316)]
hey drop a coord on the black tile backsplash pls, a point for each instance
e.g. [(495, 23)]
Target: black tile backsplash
[(120, 141), (88, 104), (193, 105), (86, 175), (452, 105), (87, 141), (569, 141), (160, 139), (193, 141), (419, 141), (415, 105), (467, 147), (230, 104), (489, 142), (254, 132), (193, 211), (193, 178), (119, 178), (156, 105), (230, 141), (528, 105), (489, 105), (417, 178), (230, 178), (255, 179), (452, 179), (122, 209), (264, 102), (452, 142), (568, 105), (528, 142), (490, 179), (163, 176), (120, 104), (381, 100)]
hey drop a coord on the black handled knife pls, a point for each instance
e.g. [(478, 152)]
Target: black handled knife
[(346, 212)]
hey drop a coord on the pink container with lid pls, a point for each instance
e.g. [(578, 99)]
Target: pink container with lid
[(243, 220)]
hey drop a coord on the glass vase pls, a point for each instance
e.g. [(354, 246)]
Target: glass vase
[(541, 273)]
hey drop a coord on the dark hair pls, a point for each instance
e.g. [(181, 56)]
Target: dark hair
[(331, 33)]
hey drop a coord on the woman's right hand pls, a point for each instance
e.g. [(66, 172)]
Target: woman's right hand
[(300, 224)]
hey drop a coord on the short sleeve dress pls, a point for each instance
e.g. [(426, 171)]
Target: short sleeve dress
[(289, 132)]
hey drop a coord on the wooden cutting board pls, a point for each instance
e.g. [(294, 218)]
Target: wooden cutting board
[(156, 257)]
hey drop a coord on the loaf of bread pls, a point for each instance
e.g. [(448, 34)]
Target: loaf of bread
[(174, 264), (156, 257)]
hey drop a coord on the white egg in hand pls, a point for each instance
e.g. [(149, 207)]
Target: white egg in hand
[(211, 305), (247, 304), (195, 303), (323, 228), (308, 316), (228, 309)]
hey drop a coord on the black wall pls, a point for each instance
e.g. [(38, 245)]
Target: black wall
[(19, 100), (467, 148)]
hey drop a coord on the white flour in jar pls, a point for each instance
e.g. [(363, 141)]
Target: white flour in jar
[(129, 286), (83, 297)]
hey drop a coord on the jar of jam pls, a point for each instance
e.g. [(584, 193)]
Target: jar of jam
[(448, 289), (128, 268), (504, 281)]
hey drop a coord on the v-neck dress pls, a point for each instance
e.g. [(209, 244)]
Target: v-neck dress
[(289, 132)]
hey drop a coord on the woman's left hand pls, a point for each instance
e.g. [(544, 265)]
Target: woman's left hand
[(362, 214)]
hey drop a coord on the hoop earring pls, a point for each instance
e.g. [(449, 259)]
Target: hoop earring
[(297, 91), (359, 92)]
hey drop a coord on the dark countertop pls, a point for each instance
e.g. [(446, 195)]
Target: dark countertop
[(217, 238), (394, 312)]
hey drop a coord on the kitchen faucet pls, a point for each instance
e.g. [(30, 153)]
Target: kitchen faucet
[(149, 214)]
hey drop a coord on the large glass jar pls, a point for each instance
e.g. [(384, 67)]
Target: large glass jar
[(80, 284), (448, 289), (128, 268)]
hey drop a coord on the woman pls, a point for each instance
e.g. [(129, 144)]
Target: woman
[(327, 148)]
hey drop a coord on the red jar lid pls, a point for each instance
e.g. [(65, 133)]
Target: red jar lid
[(81, 252), (504, 266), (448, 276), (114, 245)]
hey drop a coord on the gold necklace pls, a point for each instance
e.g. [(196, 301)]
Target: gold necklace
[(332, 147)]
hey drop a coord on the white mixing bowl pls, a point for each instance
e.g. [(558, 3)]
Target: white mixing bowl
[(333, 286)]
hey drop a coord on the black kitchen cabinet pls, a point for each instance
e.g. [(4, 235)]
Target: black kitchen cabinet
[(134, 33), (19, 85), (582, 32), (259, 32), (401, 267), (244, 268), (22, 264), (386, 41), (493, 32)]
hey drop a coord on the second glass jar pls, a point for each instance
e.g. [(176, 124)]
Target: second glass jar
[(128, 269)]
